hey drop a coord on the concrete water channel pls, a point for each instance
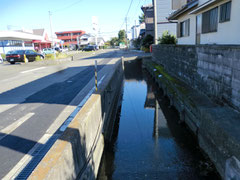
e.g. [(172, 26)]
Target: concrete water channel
[(148, 142)]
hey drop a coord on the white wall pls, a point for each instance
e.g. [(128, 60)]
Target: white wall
[(171, 27), (191, 39), (227, 32), (164, 9), (6, 49)]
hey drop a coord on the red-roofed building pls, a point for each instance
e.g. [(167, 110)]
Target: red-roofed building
[(69, 37)]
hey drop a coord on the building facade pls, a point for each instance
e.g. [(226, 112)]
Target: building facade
[(149, 15), (15, 40), (208, 22), (163, 10), (137, 29), (69, 37)]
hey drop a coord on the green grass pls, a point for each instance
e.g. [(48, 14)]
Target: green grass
[(3, 56), (58, 56)]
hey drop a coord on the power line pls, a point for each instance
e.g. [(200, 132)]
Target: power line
[(67, 7), (126, 14)]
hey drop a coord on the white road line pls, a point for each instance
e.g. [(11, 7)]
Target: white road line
[(26, 159), (31, 70), (15, 125)]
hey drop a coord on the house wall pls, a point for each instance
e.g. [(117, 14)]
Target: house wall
[(191, 39), (171, 27), (164, 8), (5, 49), (149, 21), (228, 32)]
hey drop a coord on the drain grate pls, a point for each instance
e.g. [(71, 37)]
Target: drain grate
[(42, 150), (38, 154)]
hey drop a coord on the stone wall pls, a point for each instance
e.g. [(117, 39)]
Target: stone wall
[(216, 127), (211, 69)]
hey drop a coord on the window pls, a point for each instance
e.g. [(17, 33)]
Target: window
[(210, 21), (225, 12), (184, 28), (28, 44)]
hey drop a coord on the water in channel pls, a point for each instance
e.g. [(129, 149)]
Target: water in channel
[(148, 142)]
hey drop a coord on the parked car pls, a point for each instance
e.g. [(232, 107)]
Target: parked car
[(48, 51), (89, 48), (1, 59), (64, 50), (58, 49), (18, 56)]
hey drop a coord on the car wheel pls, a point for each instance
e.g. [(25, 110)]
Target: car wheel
[(12, 62)]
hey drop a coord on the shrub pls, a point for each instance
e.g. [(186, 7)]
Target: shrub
[(146, 42), (3, 56), (38, 58), (61, 55), (49, 56), (167, 38), (137, 42)]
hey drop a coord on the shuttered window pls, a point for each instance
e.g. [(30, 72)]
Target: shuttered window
[(210, 21), (225, 12), (184, 29)]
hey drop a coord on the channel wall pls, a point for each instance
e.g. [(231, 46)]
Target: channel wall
[(215, 126), (77, 153)]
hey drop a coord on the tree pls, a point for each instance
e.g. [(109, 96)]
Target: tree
[(141, 18), (122, 36), (114, 41), (137, 42), (147, 41)]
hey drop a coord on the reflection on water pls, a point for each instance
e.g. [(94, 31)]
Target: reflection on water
[(148, 142)]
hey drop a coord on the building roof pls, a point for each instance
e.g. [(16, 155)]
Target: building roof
[(76, 31), (147, 6), (38, 32), (16, 35), (204, 6), (185, 8)]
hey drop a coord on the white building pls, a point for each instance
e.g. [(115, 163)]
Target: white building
[(87, 39), (208, 22), (136, 30), (164, 9), (14, 40)]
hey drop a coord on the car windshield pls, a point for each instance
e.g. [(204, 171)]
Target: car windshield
[(17, 52), (9, 52)]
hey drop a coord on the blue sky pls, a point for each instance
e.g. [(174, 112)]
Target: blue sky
[(69, 14)]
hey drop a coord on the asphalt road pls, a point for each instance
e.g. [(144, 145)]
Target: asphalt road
[(36, 99)]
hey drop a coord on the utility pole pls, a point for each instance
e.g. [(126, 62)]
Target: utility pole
[(155, 21), (126, 33), (50, 25), (135, 30)]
